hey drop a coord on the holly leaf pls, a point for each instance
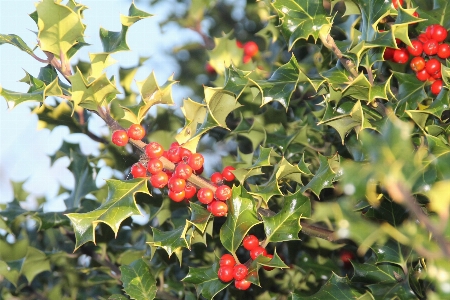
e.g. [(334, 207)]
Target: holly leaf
[(325, 175), (199, 216), (138, 280), (372, 12), (172, 241), (37, 94), (99, 62), (335, 288), (84, 179), (360, 88), (51, 220), (274, 262), (282, 84), (225, 53), (194, 114), (235, 80), (240, 219), (151, 94), (114, 41), (206, 280), (119, 205), (91, 95), (17, 41), (437, 13), (285, 225), (371, 273), (411, 92), (60, 27), (302, 19)]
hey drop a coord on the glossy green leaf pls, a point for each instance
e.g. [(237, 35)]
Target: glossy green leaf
[(91, 95), (437, 13), (336, 288), (138, 280), (325, 175), (114, 41), (285, 225), (51, 220), (38, 94), (206, 280), (84, 179), (172, 241), (60, 27), (119, 205), (199, 216), (302, 19), (225, 54), (410, 92), (282, 84), (360, 88), (17, 41), (240, 219)]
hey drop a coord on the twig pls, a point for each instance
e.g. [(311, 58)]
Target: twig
[(401, 195), (328, 42), (57, 65)]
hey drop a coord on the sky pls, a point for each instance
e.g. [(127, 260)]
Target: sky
[(24, 147)]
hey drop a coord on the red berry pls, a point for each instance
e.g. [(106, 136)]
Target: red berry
[(119, 138), (210, 69), (255, 252), (401, 56), (177, 196), (227, 260), (227, 174), (267, 268), (397, 3), (422, 75), (136, 132), (154, 150), (246, 59), (159, 180), (185, 154), (436, 87), (216, 178), (199, 171), (430, 47), (250, 49), (415, 14), (189, 191), (444, 51), (437, 75), (346, 256), (154, 165), (219, 208), (223, 193), (195, 161), (205, 195), (239, 44), (176, 184), (174, 145), (242, 284), (417, 64), (225, 273), (423, 37), (416, 49), (183, 171), (138, 170), (173, 154), (240, 271), (431, 79), (250, 242), (388, 53), (437, 32), (433, 66)]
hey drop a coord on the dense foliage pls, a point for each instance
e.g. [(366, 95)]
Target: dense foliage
[(339, 151)]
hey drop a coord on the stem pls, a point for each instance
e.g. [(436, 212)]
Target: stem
[(329, 42), (400, 194)]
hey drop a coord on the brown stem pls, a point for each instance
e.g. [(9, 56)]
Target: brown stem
[(400, 194), (328, 42), (62, 69)]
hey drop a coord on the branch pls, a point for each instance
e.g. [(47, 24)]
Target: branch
[(400, 194), (61, 66), (328, 42)]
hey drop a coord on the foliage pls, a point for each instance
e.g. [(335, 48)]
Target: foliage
[(335, 150)]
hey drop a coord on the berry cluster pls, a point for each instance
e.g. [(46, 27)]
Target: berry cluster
[(229, 269), (121, 137), (427, 50), (177, 180)]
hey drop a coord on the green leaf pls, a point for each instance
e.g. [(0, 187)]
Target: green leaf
[(360, 88), (225, 54), (372, 12), (369, 272), (302, 19), (336, 288), (114, 41), (285, 225), (119, 205), (172, 241), (60, 28), (84, 179), (138, 280), (206, 280), (91, 95), (151, 94), (199, 216), (51, 220), (282, 84), (274, 262), (37, 94), (410, 92), (17, 41), (325, 175), (240, 219), (392, 252), (437, 13)]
